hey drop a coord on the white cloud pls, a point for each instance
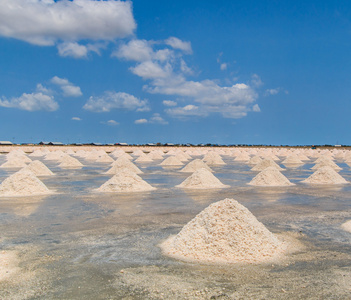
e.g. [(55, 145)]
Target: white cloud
[(256, 81), (256, 108), (169, 103), (150, 70), (31, 102), (68, 89), (269, 92), (223, 66), (46, 22), (72, 50), (179, 44), (113, 100), (76, 119), (141, 121), (184, 68), (155, 119), (112, 123), (188, 110), (136, 50)]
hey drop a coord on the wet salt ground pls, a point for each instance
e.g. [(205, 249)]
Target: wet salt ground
[(82, 244)]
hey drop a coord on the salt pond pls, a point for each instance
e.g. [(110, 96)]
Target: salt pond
[(78, 244)]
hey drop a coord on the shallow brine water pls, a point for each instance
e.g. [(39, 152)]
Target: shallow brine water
[(79, 244)]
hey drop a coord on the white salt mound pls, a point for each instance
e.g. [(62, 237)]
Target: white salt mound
[(265, 164), (125, 182), (69, 162), (212, 158), (144, 158), (270, 177), (224, 232), (195, 165), (121, 163), (23, 183), (172, 161), (255, 160), (39, 169), (326, 163), (202, 179), (105, 159), (13, 163), (347, 226), (292, 159), (325, 175)]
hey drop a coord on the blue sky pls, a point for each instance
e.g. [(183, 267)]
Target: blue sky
[(255, 72)]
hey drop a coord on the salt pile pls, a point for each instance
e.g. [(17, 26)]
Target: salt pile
[(255, 160), (69, 162), (325, 175), (347, 226), (270, 177), (125, 182), (202, 179), (242, 157), (224, 232), (144, 158), (13, 163), (265, 164), (292, 159), (23, 183), (194, 166), (18, 157), (172, 161), (121, 163), (326, 163), (57, 155), (39, 169), (37, 153), (104, 159), (213, 158)]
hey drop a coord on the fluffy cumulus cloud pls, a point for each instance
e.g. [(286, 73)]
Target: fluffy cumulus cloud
[(48, 22), (115, 100), (155, 119), (68, 89), (179, 44), (162, 65), (41, 99), (111, 123), (141, 121), (169, 103)]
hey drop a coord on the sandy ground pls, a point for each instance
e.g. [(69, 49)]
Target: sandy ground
[(81, 245)]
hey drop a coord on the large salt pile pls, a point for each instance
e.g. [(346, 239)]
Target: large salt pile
[(265, 164), (39, 169), (194, 166), (125, 182), (68, 162), (172, 161), (23, 183), (37, 153), (121, 163), (270, 177), (224, 232), (202, 179), (325, 175)]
